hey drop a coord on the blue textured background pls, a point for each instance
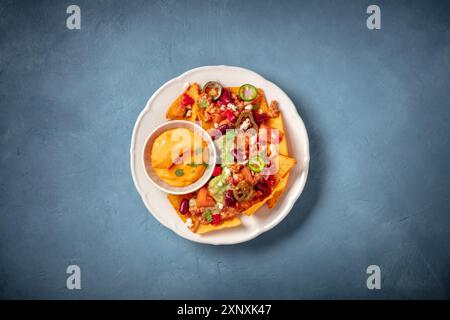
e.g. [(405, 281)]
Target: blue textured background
[(375, 103)]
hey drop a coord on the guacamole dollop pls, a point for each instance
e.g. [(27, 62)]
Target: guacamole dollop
[(217, 187)]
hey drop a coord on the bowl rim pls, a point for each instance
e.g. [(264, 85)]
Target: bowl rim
[(212, 157)]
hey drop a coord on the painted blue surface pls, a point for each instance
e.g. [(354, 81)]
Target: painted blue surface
[(375, 103)]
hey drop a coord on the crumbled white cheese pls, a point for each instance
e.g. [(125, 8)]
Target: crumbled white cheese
[(226, 171), (245, 161), (216, 124), (222, 107), (245, 124), (219, 184), (231, 106), (189, 223), (220, 205), (249, 107), (188, 113), (186, 85)]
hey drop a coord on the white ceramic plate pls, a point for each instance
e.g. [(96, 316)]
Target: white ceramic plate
[(154, 114)]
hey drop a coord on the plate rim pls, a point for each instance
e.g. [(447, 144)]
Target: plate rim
[(291, 200)]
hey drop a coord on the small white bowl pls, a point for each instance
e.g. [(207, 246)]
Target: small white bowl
[(174, 124)]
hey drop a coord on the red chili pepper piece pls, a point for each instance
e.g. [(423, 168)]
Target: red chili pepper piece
[(215, 219), (260, 117), (230, 116), (217, 171), (225, 98), (186, 100), (271, 180)]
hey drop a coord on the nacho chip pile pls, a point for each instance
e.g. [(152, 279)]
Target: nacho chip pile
[(245, 185)]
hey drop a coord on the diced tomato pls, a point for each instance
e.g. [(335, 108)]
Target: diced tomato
[(217, 171), (225, 98), (186, 100), (271, 180), (204, 199), (247, 175), (219, 117), (215, 219), (260, 118), (230, 115)]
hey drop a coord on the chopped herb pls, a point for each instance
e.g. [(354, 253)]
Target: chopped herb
[(194, 165), (256, 106), (203, 103), (208, 215), (179, 172)]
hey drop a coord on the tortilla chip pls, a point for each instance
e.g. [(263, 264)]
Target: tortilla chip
[(263, 102), (175, 201), (229, 223), (285, 165), (276, 194), (258, 205), (277, 123), (282, 175), (255, 207), (234, 90), (173, 112)]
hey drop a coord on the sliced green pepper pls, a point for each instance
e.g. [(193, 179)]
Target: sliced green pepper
[(213, 89), (247, 92), (243, 191), (256, 164)]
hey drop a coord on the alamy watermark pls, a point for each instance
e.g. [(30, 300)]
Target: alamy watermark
[(73, 22), (373, 22), (374, 280), (74, 279)]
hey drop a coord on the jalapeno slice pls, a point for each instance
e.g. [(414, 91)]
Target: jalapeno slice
[(243, 191), (256, 164), (213, 89), (247, 92)]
